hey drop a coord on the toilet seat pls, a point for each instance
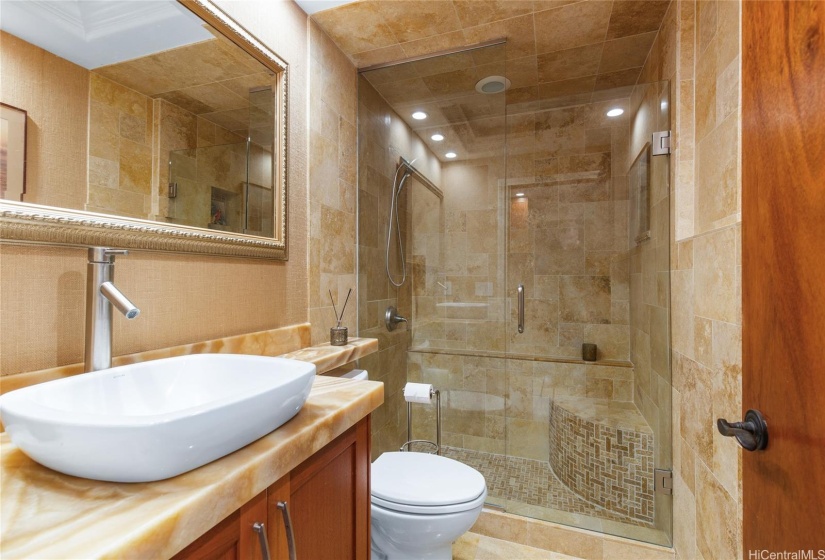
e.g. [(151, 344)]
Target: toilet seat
[(425, 484), (430, 510)]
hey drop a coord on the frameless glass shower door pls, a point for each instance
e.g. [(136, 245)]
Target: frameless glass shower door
[(588, 263)]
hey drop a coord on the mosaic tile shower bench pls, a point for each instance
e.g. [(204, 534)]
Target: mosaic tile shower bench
[(603, 451)]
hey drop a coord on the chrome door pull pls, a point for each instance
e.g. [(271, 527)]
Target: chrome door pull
[(290, 537), (752, 434), (521, 308), (261, 530)]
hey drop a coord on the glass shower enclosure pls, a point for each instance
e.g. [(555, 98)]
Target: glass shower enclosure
[(553, 231), (226, 181)]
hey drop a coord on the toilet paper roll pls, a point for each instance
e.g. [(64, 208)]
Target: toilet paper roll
[(418, 392)]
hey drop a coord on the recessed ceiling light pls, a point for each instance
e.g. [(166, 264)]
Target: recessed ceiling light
[(419, 115), (437, 137), (615, 112), (492, 84), (450, 155), (520, 194)]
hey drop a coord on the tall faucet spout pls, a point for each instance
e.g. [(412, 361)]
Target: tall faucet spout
[(101, 296), (118, 300)]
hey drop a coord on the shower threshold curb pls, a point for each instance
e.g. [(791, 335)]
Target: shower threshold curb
[(564, 539)]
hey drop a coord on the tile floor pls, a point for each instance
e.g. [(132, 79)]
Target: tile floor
[(515, 480)]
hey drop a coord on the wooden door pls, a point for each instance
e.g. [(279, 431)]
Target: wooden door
[(783, 272)]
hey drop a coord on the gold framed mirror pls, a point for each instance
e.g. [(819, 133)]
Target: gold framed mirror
[(185, 148)]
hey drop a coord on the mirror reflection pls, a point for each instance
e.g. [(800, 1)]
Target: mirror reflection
[(140, 109)]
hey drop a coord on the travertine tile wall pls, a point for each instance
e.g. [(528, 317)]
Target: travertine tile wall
[(567, 235), (567, 240), (699, 51), (56, 145), (458, 259), (333, 103), (382, 138), (184, 298), (121, 128)]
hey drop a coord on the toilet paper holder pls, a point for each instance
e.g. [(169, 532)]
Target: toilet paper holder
[(410, 441)]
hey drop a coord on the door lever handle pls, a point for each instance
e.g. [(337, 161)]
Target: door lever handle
[(752, 434)]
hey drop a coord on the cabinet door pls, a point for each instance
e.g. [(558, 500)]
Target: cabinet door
[(233, 538), (329, 499)]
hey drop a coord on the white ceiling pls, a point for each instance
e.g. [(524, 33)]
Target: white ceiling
[(94, 33), (312, 6)]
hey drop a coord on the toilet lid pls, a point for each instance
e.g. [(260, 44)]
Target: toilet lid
[(420, 479)]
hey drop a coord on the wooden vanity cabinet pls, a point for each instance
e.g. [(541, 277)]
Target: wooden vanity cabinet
[(328, 498)]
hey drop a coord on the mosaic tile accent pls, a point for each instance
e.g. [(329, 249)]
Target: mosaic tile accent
[(611, 466), (531, 482)]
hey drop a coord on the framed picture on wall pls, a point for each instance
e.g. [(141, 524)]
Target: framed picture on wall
[(12, 152)]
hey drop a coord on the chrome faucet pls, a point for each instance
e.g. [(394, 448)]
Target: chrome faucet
[(101, 295)]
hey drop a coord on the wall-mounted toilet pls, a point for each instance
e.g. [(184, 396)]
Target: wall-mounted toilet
[(421, 504)]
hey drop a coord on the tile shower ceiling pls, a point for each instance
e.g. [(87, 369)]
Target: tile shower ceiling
[(559, 53), (211, 79)]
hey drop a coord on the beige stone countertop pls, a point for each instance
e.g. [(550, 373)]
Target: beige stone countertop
[(46, 514), (327, 357)]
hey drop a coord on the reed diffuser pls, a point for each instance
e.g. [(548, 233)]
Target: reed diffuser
[(338, 334)]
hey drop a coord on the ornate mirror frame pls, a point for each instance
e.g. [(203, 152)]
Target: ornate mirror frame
[(22, 222)]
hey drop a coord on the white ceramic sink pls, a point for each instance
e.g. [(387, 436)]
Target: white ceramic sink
[(157, 419)]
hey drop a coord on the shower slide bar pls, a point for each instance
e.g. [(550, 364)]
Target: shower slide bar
[(421, 177)]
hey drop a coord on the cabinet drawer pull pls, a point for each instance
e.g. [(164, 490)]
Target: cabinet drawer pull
[(261, 530), (290, 537)]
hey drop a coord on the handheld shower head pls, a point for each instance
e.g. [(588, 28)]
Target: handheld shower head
[(404, 178)]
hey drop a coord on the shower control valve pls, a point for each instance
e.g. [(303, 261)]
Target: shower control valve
[(392, 318)]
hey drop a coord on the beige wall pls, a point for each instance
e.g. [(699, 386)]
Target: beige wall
[(184, 298), (699, 49), (57, 123)]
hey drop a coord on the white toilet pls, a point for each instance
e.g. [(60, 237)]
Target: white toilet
[(421, 504)]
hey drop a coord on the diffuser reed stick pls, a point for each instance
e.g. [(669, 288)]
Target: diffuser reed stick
[(340, 317), (334, 309)]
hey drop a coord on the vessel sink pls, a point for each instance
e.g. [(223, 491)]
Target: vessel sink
[(157, 419)]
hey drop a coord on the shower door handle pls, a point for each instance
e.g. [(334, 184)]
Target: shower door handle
[(521, 308)]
